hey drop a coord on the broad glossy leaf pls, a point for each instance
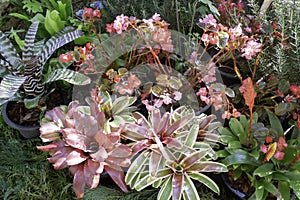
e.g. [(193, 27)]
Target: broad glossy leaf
[(240, 157), (237, 128), (165, 191), (284, 190), (259, 189), (275, 122), (264, 170), (53, 22), (208, 182)]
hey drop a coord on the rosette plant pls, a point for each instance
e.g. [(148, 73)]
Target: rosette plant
[(23, 77), (168, 154), (79, 142)]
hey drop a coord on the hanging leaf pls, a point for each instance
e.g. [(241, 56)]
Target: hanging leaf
[(248, 92)]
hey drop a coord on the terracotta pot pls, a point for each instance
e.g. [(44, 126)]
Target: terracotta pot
[(27, 132)]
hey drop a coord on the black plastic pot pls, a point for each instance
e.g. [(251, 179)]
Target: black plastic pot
[(236, 192), (27, 132)]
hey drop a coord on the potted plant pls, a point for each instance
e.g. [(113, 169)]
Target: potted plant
[(262, 159), (164, 151), (24, 78)]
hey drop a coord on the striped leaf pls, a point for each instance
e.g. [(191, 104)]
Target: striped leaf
[(10, 85), (8, 52), (68, 75), (57, 41), (28, 51)]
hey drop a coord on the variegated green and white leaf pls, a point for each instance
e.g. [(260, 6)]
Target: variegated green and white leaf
[(206, 181), (28, 51), (68, 75), (136, 167), (165, 191), (10, 85), (190, 191), (8, 52)]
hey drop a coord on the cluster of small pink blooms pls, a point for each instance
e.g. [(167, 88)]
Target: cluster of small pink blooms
[(227, 114), (90, 14), (152, 104), (128, 86), (210, 75), (235, 32), (119, 25), (210, 38), (208, 20), (165, 98), (251, 49), (203, 94), (163, 36)]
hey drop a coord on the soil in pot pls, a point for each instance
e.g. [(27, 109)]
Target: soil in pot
[(19, 114)]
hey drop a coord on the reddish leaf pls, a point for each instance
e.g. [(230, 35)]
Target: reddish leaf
[(248, 92), (78, 182), (90, 176), (177, 186), (75, 157), (118, 176)]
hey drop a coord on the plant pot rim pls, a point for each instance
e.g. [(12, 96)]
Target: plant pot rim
[(237, 192), (26, 131)]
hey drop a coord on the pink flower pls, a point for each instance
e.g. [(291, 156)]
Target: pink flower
[(279, 155), (235, 32), (248, 29), (156, 17), (166, 98), (177, 95), (202, 92), (252, 47), (65, 57), (97, 13), (209, 20)]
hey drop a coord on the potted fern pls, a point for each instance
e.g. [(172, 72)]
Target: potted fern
[(23, 76)]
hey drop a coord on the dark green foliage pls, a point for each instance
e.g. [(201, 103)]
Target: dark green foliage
[(24, 174), (181, 14), (283, 55)]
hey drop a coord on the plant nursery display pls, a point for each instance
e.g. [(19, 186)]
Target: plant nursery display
[(154, 104)]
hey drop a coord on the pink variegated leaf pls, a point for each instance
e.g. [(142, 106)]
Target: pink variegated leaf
[(69, 123), (140, 145), (155, 118), (122, 162), (178, 124), (52, 147), (60, 163), (177, 186), (72, 107), (192, 159), (79, 182), (206, 121), (117, 174), (135, 132), (101, 155), (75, 157), (172, 142), (141, 120), (164, 123), (50, 132), (154, 161), (85, 124), (120, 151), (90, 176)]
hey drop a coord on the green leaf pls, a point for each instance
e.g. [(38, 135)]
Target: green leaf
[(69, 76), (264, 170), (283, 107), (238, 129), (165, 191), (259, 189), (275, 122), (284, 190), (234, 145), (62, 10), (295, 185), (240, 156), (206, 181), (53, 22), (32, 103), (192, 136), (18, 15)]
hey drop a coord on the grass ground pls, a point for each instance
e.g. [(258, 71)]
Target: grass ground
[(26, 174)]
